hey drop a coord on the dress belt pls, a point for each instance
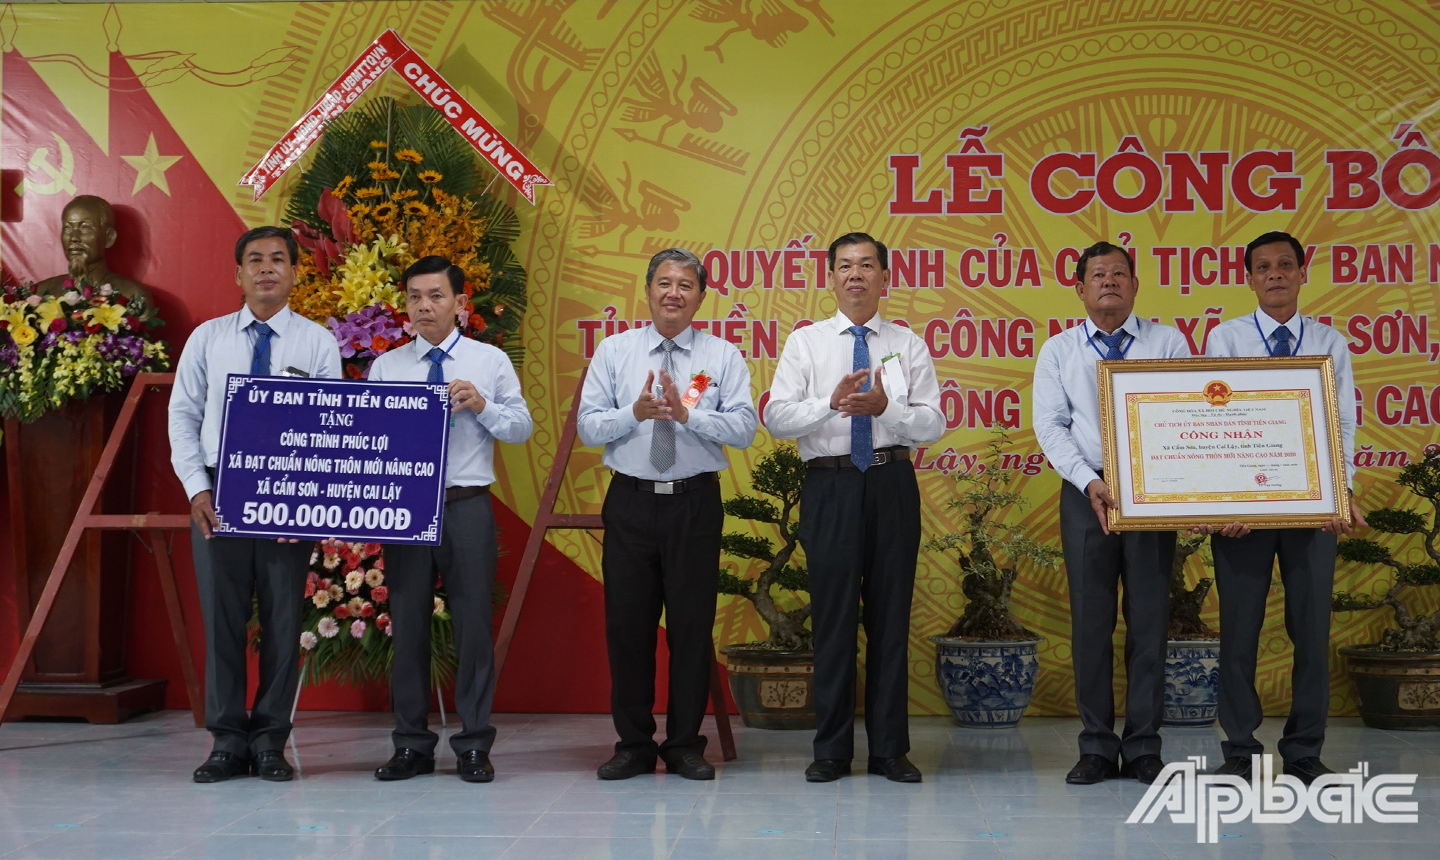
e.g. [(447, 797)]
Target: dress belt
[(893, 454), (668, 488), (455, 494)]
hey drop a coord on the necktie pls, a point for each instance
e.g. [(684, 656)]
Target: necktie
[(662, 437), (1282, 342), (1113, 341), (437, 358), (862, 443), (260, 358)]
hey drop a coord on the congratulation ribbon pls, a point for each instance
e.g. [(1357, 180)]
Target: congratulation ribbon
[(384, 53)]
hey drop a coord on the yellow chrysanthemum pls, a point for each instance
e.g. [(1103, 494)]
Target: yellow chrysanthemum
[(410, 155), (359, 210), (400, 196), (383, 175), (416, 208), (110, 316), (377, 165), (378, 144), (24, 334), (372, 191), (383, 211), (429, 177), (343, 186)]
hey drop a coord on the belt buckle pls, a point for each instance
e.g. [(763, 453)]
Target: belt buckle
[(665, 488), (880, 458)]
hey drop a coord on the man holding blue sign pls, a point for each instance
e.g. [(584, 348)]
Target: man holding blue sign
[(486, 405), (263, 338)]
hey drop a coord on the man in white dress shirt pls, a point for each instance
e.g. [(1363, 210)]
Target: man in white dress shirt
[(1245, 559), (1066, 417), (665, 400), (857, 391), (486, 405), (263, 338)]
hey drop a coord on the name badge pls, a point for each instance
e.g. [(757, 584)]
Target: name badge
[(695, 390)]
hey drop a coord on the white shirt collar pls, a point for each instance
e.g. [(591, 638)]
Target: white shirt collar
[(278, 323), (843, 323), (1268, 324), (684, 339), (1131, 326), (422, 346)]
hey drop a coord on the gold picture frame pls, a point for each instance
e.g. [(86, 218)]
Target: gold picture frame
[(1293, 478)]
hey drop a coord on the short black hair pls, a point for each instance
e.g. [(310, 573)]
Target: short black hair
[(267, 232), (1270, 239), (1100, 249), (434, 265), (676, 255), (860, 239)]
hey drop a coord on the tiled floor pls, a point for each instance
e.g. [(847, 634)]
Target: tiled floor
[(121, 792)]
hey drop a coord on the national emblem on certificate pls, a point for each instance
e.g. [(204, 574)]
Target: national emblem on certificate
[(1215, 441)]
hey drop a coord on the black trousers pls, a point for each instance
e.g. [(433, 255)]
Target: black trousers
[(661, 552), (1243, 568), (465, 560), (861, 534), (230, 572), (1096, 564)]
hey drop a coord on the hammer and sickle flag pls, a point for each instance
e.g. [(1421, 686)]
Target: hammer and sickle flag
[(59, 178)]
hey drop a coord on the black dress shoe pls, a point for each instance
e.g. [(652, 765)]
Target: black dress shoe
[(895, 769), (1091, 769), (624, 765), (691, 766), (1235, 765), (404, 764), (271, 766), (1144, 768), (1307, 769), (221, 766), (827, 769), (475, 766)]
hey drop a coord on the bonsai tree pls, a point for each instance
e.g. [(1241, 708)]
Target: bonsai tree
[(1415, 632), (1186, 601), (990, 551), (779, 475)]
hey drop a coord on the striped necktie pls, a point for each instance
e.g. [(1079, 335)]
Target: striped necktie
[(662, 436)]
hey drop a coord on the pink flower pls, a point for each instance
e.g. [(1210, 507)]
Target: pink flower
[(380, 594), (309, 589), (367, 610), (357, 629)]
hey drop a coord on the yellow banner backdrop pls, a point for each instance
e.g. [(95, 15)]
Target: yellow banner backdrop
[(984, 141)]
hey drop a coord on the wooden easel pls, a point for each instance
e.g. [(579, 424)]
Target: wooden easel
[(154, 523), (546, 519)]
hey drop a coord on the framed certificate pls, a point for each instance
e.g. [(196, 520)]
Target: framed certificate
[(1219, 440)]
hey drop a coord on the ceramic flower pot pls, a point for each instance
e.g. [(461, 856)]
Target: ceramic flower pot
[(772, 689), (1192, 682), (1397, 690), (986, 684)]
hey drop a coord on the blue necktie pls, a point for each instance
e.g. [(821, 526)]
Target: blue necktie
[(1282, 342), (862, 444), (260, 358), (437, 357), (1113, 341)]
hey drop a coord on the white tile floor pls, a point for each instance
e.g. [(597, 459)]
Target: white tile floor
[(71, 791)]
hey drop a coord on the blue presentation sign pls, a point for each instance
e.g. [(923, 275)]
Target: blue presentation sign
[(322, 458)]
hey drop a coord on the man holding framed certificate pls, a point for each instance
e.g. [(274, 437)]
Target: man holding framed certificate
[(1245, 559), (1068, 426)]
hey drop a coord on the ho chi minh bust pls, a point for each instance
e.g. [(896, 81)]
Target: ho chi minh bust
[(87, 228)]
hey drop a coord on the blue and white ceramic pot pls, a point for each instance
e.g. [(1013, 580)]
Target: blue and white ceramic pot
[(1192, 682), (986, 684)]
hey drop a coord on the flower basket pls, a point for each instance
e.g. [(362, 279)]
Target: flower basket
[(54, 349)]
